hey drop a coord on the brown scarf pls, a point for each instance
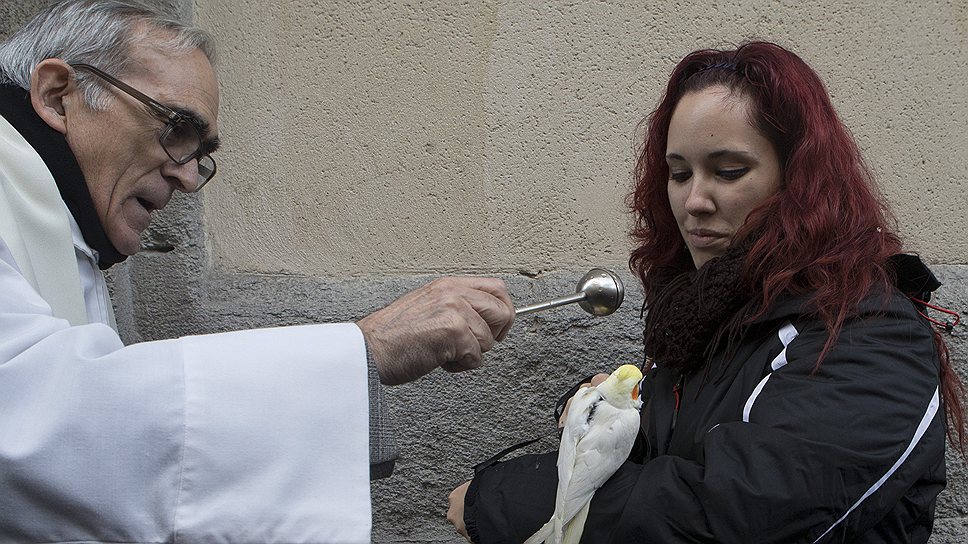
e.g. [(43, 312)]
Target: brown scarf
[(695, 310)]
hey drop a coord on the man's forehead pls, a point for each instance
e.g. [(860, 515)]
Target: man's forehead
[(184, 81)]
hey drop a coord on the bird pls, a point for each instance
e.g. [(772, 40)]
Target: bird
[(599, 431)]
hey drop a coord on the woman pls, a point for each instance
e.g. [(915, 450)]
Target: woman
[(795, 393)]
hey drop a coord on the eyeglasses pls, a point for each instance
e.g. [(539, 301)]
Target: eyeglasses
[(181, 138)]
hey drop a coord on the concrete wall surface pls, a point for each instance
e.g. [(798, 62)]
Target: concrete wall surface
[(372, 146), (408, 137)]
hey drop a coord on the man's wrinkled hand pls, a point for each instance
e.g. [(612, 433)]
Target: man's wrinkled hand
[(448, 323)]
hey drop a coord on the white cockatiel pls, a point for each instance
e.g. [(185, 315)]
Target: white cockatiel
[(599, 431)]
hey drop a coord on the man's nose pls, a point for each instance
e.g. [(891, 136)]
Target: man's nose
[(183, 176)]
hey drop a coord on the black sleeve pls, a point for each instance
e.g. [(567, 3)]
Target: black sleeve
[(509, 501), (815, 455)]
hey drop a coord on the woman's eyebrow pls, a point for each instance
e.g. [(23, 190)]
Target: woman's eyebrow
[(730, 153), (718, 154)]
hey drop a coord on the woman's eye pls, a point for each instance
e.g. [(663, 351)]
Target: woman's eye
[(680, 177), (732, 173)]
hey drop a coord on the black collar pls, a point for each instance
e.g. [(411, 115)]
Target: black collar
[(52, 147)]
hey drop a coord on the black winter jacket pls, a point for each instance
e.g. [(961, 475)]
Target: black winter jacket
[(766, 448)]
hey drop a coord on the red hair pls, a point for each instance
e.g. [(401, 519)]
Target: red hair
[(825, 234)]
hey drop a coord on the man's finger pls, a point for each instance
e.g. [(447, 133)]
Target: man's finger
[(497, 313), (469, 353)]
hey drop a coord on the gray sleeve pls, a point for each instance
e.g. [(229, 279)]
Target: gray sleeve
[(383, 443)]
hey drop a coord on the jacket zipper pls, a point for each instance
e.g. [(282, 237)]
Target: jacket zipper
[(677, 392)]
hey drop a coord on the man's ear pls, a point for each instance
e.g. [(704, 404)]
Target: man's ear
[(50, 83)]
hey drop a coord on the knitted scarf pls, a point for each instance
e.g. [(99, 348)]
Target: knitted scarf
[(695, 310)]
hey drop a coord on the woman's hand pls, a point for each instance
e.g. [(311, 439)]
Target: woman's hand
[(455, 510), (596, 380)]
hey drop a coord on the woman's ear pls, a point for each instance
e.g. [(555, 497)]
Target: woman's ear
[(50, 83)]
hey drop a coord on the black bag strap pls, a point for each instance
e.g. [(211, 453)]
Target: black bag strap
[(559, 409), (491, 461)]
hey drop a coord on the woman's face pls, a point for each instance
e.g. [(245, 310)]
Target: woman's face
[(720, 168)]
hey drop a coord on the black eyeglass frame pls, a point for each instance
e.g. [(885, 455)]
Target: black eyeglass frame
[(172, 117)]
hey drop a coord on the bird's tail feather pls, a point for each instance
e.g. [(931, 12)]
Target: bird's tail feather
[(576, 526)]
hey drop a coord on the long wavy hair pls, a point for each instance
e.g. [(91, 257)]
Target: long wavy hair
[(827, 234)]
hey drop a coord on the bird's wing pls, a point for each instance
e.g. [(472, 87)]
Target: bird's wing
[(576, 427), (598, 454)]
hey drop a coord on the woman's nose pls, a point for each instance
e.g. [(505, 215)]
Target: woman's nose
[(700, 199)]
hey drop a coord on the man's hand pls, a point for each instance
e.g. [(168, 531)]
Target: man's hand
[(455, 510), (448, 323)]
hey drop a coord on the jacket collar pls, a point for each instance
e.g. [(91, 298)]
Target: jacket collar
[(52, 147)]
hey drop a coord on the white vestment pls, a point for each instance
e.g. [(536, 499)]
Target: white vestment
[(249, 436)]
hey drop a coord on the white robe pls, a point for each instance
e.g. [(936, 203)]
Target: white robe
[(249, 436)]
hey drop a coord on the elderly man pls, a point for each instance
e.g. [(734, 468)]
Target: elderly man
[(106, 108)]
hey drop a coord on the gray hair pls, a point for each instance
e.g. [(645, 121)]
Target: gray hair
[(97, 32)]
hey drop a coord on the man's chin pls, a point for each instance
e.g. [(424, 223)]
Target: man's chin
[(129, 251), (127, 243)]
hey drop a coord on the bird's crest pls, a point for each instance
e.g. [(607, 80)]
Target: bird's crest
[(624, 383), (628, 372)]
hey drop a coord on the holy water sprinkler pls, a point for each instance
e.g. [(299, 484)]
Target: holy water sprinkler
[(599, 292)]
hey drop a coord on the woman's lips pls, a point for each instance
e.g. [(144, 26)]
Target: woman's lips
[(701, 238)]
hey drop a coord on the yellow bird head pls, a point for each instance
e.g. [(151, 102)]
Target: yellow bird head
[(622, 386)]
